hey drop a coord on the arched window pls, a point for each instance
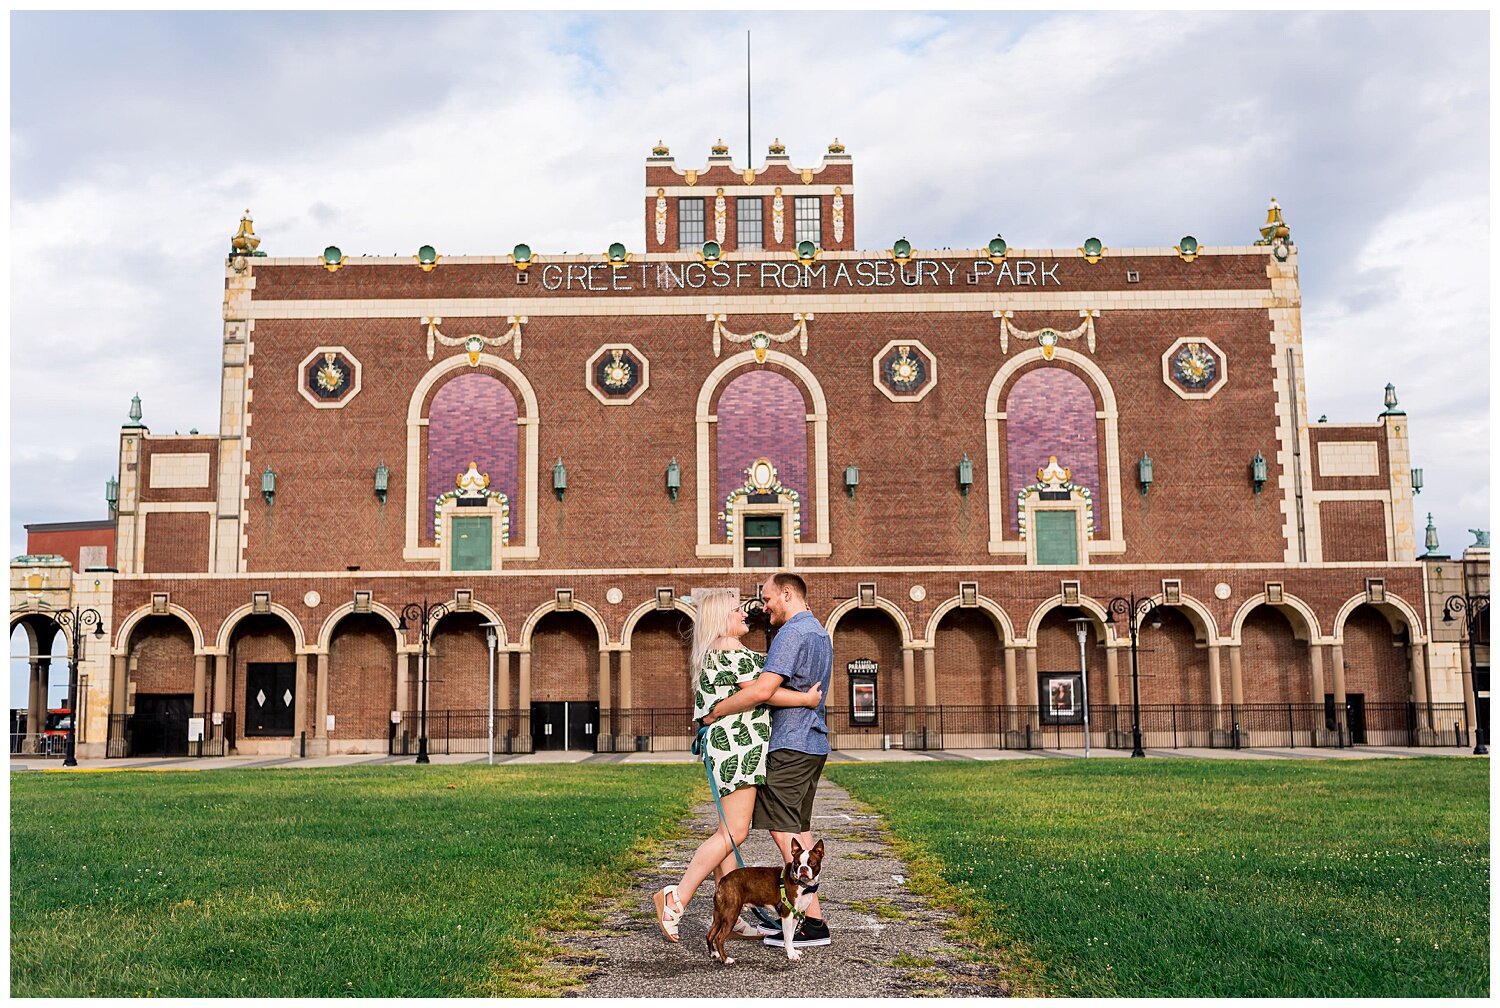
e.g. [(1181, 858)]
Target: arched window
[(762, 416)]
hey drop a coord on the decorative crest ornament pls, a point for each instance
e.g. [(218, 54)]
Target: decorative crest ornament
[(1048, 338), (761, 341), (838, 213), (661, 216), (330, 377), (1053, 476), (720, 215), (472, 483), (761, 480), (1193, 367), (617, 372), (778, 215), (474, 343)]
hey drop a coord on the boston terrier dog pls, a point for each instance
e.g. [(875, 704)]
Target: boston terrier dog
[(787, 890)]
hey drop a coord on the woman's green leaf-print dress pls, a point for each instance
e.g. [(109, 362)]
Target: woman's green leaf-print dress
[(736, 743)]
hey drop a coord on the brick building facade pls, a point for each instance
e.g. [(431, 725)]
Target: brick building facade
[(966, 454)]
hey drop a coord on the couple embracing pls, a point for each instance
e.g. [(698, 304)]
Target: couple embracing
[(767, 741)]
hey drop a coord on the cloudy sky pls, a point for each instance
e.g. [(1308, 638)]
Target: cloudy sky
[(137, 140)]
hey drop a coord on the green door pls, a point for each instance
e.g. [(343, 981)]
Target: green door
[(1056, 537), (471, 543)]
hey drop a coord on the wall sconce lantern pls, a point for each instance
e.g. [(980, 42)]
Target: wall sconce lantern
[(807, 252), (674, 479), (1145, 474), (427, 258), (1093, 250), (1187, 249), (333, 259), (382, 480), (965, 475), (559, 479), (1258, 471), (851, 479), (711, 252), (112, 492), (521, 257), (1416, 481), (617, 257), (901, 251), (997, 249), (268, 485)]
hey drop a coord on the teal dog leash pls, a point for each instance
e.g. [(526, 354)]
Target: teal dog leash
[(700, 747)]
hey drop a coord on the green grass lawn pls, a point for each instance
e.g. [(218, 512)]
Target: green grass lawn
[(392, 880), (1195, 877)]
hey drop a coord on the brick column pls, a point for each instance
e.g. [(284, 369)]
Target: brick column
[(200, 684), (1340, 696), (299, 692), (606, 709), (1236, 677), (320, 711), (929, 674), (1033, 699)]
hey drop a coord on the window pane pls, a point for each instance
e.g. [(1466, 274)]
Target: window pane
[(748, 217), (759, 527), (809, 217), (689, 222)]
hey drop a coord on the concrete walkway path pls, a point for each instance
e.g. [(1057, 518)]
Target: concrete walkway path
[(887, 940)]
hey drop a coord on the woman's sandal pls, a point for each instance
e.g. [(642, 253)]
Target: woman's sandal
[(744, 929), (666, 917)]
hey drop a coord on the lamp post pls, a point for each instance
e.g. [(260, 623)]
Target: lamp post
[(1134, 610), (73, 621), (491, 640), (1081, 625), (1473, 607), (428, 613)]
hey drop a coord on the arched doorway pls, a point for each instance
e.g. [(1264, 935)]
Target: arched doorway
[(161, 681), (362, 684), (1173, 671), (39, 688), (871, 634), (1275, 681), (1377, 680), (261, 693), (1060, 692), (458, 684), (969, 677), (661, 691), (564, 682)]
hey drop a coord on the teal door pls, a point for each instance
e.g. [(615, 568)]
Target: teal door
[(1056, 537), (471, 544)]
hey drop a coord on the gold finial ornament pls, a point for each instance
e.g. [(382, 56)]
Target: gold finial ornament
[(835, 147), (720, 148), (244, 242), (660, 150), (1275, 229)]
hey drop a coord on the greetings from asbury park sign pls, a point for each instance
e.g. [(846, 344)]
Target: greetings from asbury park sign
[(846, 275)]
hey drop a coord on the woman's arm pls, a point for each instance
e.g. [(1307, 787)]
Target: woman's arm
[(752, 694), (784, 697)]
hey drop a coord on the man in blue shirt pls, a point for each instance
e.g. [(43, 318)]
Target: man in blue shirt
[(801, 656)]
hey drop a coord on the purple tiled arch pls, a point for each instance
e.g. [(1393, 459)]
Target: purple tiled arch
[(1050, 411), (762, 413), (472, 419)]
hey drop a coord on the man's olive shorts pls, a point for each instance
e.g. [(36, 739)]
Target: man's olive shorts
[(784, 802)]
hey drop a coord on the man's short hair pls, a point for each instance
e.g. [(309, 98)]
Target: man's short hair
[(792, 581)]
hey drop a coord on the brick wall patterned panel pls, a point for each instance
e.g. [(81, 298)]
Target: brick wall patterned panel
[(1172, 669), (473, 419), (762, 413), (458, 667), (176, 542), (969, 666), (564, 658), (1353, 530), (163, 649), (1050, 411), (361, 677), (868, 633), (1375, 667), (1274, 666), (659, 659)]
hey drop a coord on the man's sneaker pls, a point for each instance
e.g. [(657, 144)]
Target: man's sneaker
[(811, 931)]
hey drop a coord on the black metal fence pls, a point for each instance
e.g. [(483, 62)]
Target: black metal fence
[(461, 731), (155, 734)]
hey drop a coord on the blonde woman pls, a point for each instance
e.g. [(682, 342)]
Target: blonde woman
[(721, 666)]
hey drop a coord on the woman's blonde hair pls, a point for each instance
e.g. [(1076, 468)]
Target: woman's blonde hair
[(713, 606)]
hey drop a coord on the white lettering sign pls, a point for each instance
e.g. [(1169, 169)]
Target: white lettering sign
[(843, 275)]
